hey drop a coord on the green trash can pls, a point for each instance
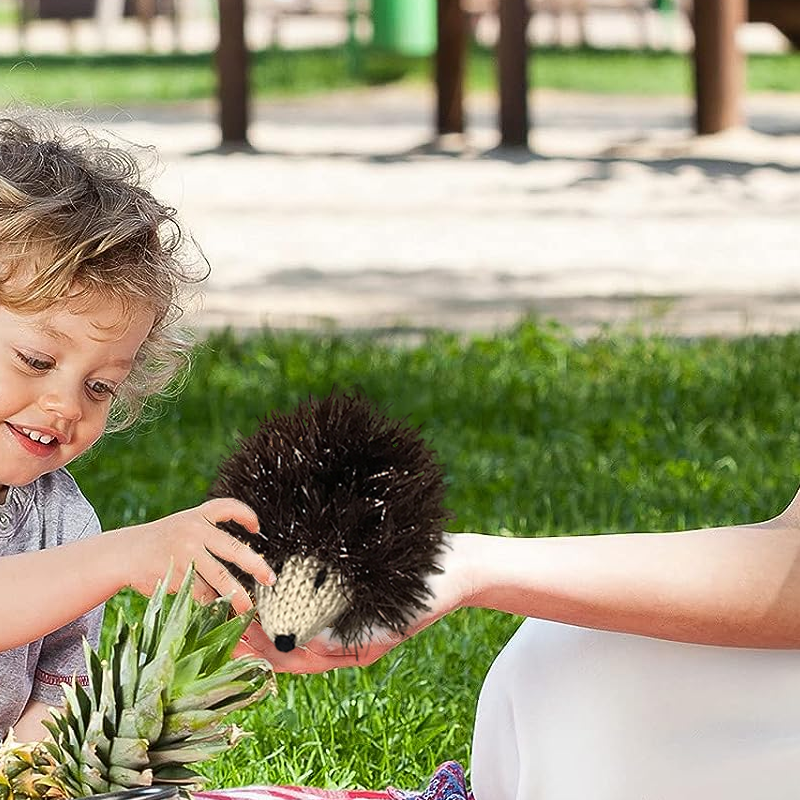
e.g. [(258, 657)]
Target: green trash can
[(407, 27)]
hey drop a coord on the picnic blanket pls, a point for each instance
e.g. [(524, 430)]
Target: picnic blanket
[(448, 783)]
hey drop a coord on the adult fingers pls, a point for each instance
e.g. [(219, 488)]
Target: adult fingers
[(297, 661), (243, 649), (307, 661), (361, 655), (313, 657)]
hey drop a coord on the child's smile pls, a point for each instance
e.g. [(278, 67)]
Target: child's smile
[(35, 441)]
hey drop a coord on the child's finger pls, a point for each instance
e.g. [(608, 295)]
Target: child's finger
[(202, 592), (223, 583), (226, 509), (236, 552)]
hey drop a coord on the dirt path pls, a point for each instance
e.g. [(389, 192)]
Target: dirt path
[(344, 216)]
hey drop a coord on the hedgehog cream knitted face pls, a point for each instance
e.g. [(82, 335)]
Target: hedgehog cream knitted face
[(349, 504), (307, 597)]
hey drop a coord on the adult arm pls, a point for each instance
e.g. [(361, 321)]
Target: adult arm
[(732, 586)]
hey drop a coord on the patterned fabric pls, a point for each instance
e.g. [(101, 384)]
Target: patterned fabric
[(448, 783), (288, 793)]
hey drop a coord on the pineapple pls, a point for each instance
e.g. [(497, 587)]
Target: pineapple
[(155, 705)]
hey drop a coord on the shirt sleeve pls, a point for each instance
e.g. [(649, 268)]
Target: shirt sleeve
[(61, 656)]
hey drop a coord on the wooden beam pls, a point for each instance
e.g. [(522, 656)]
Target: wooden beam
[(783, 14), (512, 63), (232, 73), (718, 64), (451, 60)]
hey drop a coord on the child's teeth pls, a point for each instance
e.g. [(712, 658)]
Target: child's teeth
[(44, 438)]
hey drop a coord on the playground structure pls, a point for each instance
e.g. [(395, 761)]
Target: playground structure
[(717, 60), (718, 63), (104, 12)]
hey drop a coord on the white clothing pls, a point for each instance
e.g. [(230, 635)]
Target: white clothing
[(569, 713)]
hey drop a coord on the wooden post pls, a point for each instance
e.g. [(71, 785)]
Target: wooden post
[(783, 14), (718, 64), (451, 60), (512, 62), (232, 69), (146, 12)]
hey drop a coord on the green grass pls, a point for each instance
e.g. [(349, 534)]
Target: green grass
[(126, 79), (539, 435)]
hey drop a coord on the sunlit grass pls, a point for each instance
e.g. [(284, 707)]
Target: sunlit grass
[(539, 435), (140, 78)]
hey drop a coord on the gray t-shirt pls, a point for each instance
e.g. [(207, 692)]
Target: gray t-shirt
[(46, 513)]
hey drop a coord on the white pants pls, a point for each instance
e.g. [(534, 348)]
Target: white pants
[(569, 713)]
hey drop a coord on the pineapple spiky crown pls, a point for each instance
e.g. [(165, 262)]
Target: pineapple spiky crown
[(154, 705), (350, 492)]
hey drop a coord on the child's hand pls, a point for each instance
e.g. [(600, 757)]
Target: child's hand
[(191, 536)]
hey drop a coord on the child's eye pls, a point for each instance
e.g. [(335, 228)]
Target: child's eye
[(36, 363), (100, 390)]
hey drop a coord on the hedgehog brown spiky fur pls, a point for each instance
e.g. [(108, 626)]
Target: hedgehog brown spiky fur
[(350, 509)]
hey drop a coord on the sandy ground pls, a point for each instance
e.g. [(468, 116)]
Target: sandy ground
[(346, 216)]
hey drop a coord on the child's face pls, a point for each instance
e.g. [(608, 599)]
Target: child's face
[(58, 373)]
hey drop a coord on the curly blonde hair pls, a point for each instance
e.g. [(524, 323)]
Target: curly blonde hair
[(76, 222)]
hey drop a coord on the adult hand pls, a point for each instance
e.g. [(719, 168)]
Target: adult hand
[(191, 536), (451, 589)]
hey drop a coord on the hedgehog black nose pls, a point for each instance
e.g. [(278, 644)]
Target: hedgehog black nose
[(284, 642)]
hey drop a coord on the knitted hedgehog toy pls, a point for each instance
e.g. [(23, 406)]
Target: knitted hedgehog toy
[(350, 509)]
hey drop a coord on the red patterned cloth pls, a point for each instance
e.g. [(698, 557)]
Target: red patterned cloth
[(448, 783), (288, 793)]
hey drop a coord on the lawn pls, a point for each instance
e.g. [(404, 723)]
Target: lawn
[(125, 79), (540, 435)]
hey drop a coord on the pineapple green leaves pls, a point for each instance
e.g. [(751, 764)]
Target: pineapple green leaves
[(154, 705)]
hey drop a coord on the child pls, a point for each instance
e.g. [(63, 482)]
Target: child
[(91, 275)]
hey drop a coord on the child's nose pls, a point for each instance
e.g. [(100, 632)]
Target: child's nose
[(64, 403)]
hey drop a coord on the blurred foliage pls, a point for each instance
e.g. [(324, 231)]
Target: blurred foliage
[(141, 78)]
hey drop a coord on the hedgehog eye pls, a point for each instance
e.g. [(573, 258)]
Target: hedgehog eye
[(277, 568), (320, 579)]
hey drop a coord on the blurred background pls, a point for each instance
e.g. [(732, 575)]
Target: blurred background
[(356, 169)]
